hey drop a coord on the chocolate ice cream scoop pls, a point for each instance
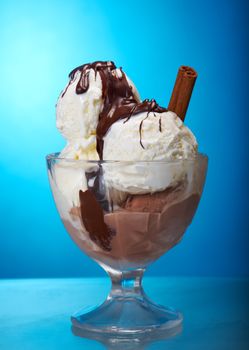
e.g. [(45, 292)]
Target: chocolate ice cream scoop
[(151, 202)]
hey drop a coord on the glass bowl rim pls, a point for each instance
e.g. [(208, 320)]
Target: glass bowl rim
[(56, 157)]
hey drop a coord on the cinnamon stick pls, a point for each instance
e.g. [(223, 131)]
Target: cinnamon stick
[(182, 91)]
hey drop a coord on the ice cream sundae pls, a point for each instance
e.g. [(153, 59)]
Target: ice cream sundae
[(138, 177), (126, 185)]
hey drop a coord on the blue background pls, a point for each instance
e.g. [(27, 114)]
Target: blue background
[(42, 41)]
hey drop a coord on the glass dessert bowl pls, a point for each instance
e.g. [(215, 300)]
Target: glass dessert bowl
[(125, 215)]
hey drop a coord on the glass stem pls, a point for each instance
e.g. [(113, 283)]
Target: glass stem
[(126, 284)]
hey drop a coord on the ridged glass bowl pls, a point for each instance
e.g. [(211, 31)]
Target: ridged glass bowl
[(125, 215)]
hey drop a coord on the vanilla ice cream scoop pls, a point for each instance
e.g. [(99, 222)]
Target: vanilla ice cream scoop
[(145, 137), (149, 136), (79, 106), (77, 114)]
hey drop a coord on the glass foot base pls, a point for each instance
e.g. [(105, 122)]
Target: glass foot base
[(127, 316)]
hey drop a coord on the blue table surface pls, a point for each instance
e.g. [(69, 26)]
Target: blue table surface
[(35, 313)]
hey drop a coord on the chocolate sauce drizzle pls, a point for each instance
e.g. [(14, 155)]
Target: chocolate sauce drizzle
[(93, 219), (120, 103), (160, 124), (119, 99)]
